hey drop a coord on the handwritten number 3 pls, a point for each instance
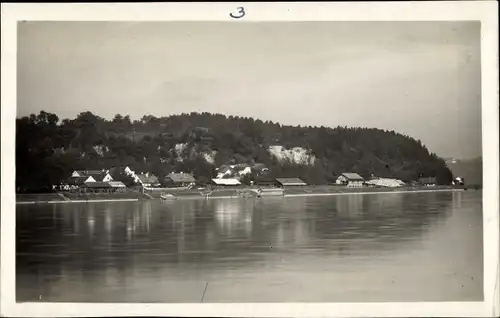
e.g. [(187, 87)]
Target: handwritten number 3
[(239, 14)]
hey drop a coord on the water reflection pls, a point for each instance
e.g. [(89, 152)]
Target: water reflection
[(118, 241)]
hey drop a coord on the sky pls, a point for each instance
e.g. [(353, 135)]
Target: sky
[(422, 79)]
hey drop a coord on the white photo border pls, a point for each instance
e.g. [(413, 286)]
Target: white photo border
[(484, 11)]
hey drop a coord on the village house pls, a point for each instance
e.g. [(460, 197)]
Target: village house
[(350, 179), (103, 187), (179, 179), (427, 181), (97, 175), (147, 180), (81, 177), (118, 186), (265, 182), (458, 181), (73, 183), (289, 182)]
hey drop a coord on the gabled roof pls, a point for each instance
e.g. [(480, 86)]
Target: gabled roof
[(226, 181), (290, 181), (352, 176), (88, 172), (98, 175), (181, 177)]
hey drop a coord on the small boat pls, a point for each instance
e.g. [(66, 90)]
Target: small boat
[(167, 196)]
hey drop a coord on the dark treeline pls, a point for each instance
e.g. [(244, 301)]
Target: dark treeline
[(48, 149)]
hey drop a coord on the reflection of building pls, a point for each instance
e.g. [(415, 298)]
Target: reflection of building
[(234, 215), (349, 206), (457, 199), (91, 219), (387, 203)]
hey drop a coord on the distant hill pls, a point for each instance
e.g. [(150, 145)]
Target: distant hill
[(471, 170), (200, 143)]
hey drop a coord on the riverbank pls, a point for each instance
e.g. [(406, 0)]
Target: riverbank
[(223, 193)]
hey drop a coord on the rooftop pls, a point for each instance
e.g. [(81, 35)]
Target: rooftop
[(353, 176), (290, 181), (226, 181), (181, 177), (88, 172), (116, 184)]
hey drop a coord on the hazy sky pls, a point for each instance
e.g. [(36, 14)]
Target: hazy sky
[(421, 79)]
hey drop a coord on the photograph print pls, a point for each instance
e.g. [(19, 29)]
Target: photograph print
[(259, 162)]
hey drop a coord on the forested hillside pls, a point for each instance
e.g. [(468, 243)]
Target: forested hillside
[(48, 149)]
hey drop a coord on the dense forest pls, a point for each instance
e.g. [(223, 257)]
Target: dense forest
[(49, 149)]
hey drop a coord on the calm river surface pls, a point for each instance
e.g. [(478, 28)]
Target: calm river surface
[(349, 248)]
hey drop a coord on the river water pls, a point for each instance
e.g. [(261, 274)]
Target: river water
[(348, 248)]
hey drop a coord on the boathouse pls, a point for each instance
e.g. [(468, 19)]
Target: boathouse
[(290, 182), (350, 179)]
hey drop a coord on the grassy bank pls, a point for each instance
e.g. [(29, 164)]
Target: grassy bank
[(78, 197)]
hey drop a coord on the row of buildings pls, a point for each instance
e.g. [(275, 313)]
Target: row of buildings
[(102, 181)]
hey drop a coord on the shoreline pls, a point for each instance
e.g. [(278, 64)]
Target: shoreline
[(76, 201), (215, 196)]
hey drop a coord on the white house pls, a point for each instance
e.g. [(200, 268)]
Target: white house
[(128, 171), (351, 180), (147, 179)]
